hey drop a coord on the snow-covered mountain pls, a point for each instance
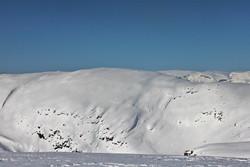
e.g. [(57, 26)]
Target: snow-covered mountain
[(126, 111)]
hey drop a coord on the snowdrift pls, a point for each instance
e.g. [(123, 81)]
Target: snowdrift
[(124, 111), (236, 149)]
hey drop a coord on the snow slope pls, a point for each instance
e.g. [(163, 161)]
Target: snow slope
[(126, 111)]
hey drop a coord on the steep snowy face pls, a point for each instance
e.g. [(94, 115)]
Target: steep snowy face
[(118, 110)]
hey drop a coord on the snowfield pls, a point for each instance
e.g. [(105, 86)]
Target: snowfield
[(125, 111), (114, 160)]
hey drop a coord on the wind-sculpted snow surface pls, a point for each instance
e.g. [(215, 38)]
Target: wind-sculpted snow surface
[(114, 160), (124, 111)]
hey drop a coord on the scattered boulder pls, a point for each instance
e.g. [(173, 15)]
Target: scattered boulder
[(188, 152)]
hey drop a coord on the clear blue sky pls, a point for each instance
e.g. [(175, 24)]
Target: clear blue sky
[(67, 35)]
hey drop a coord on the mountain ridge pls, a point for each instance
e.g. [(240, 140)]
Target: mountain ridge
[(123, 111)]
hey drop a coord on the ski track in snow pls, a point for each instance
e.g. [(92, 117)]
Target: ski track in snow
[(114, 160)]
